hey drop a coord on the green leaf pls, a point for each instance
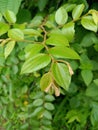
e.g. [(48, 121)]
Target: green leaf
[(55, 31), (19, 26), (94, 114), (88, 23), (57, 40), (9, 5), (4, 100), (86, 63), (42, 4), (69, 7), (24, 89), (49, 98), (23, 16), (94, 65), (0, 16), (49, 106), (32, 49), (92, 90), (64, 52), (3, 28), (96, 47), (61, 75), (47, 114), (96, 81), (2, 59), (74, 65), (94, 15), (32, 32), (36, 112), (35, 63), (24, 126), (35, 123), (46, 122), (36, 95), (38, 102), (36, 21), (47, 128), (8, 49), (87, 76), (46, 81), (49, 24), (69, 31), (77, 11), (61, 16), (4, 112), (15, 34), (89, 39), (10, 16), (72, 115)]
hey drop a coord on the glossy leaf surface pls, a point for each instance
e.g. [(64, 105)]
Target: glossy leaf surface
[(9, 47), (61, 16), (57, 40), (10, 16), (61, 75), (32, 32), (32, 49), (46, 81), (77, 11), (88, 23), (16, 34), (35, 63), (4, 28), (64, 52), (69, 31), (69, 7)]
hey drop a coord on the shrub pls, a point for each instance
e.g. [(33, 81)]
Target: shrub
[(48, 65)]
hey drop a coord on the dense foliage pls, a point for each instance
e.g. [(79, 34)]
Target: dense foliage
[(48, 65)]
